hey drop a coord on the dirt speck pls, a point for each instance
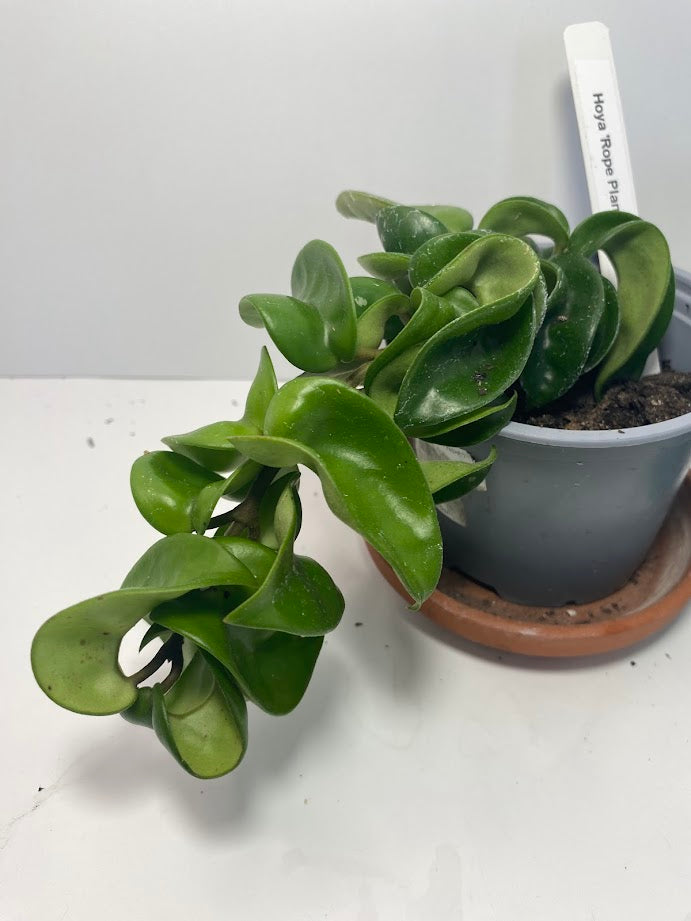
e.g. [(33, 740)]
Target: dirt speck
[(108, 421), (90, 442), (358, 623), (632, 662)]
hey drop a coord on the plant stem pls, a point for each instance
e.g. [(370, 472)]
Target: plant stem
[(244, 516), (170, 651)]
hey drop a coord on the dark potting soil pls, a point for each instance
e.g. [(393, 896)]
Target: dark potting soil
[(625, 405)]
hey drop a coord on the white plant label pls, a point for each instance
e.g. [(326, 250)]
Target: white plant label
[(600, 118)]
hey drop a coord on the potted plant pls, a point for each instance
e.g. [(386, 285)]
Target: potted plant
[(428, 347)]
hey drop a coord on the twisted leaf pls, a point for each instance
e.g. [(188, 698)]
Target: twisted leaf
[(563, 342), (165, 487), (361, 205), (210, 445), (273, 669), (391, 267), (75, 653), (477, 426), (235, 485), (645, 287), (366, 291), (465, 366), (607, 329), (453, 479), (372, 323), (385, 374), (295, 594), (369, 474), (452, 217), (202, 720), (522, 215), (403, 229), (427, 261)]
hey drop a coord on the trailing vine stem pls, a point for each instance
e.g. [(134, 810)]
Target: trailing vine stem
[(170, 651), (245, 515)]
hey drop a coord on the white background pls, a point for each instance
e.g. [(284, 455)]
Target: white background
[(160, 158)]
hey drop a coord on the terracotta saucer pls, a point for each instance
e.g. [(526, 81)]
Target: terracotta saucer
[(653, 597)]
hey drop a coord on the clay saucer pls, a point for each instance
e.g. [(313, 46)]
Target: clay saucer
[(650, 600)]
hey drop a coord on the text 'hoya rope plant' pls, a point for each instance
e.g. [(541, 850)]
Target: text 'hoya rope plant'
[(451, 325)]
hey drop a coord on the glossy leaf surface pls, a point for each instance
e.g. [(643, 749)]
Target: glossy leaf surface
[(523, 215), (372, 323), (209, 445), (391, 267), (296, 594), (235, 485), (607, 328), (273, 669), (478, 426), (640, 255), (452, 479), (451, 216), (385, 374), (369, 474), (75, 653), (435, 254), (462, 368), (564, 340), (202, 720), (165, 487), (403, 229), (367, 290), (361, 205), (319, 279)]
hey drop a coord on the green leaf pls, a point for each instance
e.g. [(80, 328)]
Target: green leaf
[(453, 479), (153, 632), (427, 261), (522, 215), (640, 256), (202, 720), (296, 594), (403, 229), (273, 669), (385, 374), (607, 328), (209, 445), (165, 487), (464, 367), (235, 485), (366, 291), (387, 266), (369, 474), (320, 279), (296, 328), (361, 205), (74, 654), (261, 392), (452, 217), (141, 711), (564, 340), (477, 426), (499, 271), (372, 323)]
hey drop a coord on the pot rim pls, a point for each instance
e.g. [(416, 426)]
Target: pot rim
[(609, 438)]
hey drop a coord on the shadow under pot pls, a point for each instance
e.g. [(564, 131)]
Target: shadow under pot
[(567, 516)]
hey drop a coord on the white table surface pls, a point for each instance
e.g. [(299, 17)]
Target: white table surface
[(421, 779)]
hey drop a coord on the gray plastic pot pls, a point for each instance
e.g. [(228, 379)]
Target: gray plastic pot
[(567, 517)]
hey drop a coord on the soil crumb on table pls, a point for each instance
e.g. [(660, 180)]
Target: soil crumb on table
[(625, 405)]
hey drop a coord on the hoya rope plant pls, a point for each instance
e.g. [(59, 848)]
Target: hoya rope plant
[(428, 346)]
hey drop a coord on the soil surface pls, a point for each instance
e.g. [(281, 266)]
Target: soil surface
[(625, 405)]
